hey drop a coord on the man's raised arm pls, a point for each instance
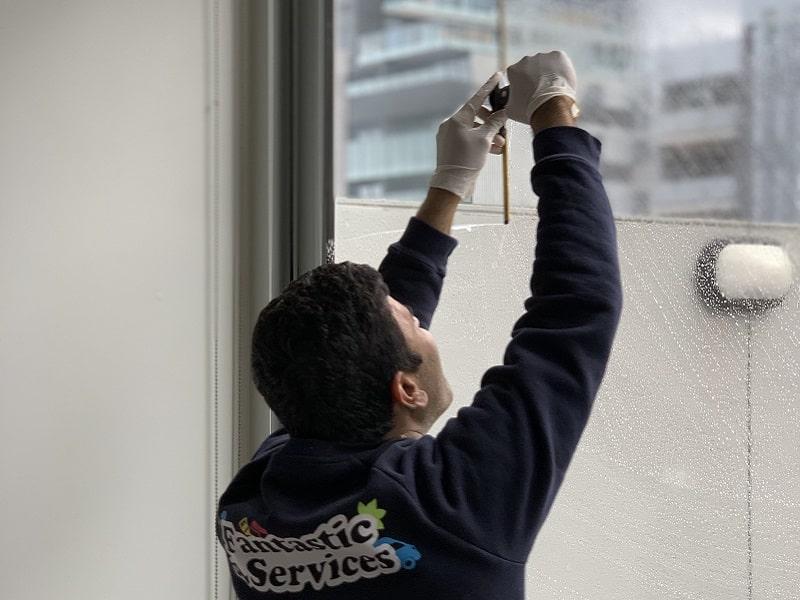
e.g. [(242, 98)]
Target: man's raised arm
[(492, 474), (415, 266)]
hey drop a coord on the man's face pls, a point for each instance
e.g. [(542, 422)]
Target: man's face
[(430, 376)]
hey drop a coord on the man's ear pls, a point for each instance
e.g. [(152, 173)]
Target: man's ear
[(406, 392)]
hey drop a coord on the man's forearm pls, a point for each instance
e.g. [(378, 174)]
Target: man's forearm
[(439, 209)]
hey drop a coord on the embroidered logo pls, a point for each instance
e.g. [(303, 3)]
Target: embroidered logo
[(341, 550)]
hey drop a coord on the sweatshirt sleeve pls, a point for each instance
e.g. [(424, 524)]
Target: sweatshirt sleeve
[(415, 266), (493, 472)]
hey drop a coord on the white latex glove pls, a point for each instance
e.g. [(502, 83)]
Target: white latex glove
[(462, 144), (535, 79)]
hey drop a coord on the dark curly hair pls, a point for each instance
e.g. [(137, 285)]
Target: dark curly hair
[(324, 353)]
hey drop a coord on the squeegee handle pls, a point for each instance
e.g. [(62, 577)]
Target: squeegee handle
[(498, 98)]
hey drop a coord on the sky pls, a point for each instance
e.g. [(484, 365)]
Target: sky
[(678, 22)]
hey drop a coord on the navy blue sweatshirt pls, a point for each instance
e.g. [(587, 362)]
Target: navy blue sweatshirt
[(452, 516)]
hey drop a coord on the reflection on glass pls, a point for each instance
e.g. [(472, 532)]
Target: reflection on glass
[(695, 103)]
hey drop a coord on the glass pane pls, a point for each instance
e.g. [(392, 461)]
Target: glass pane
[(685, 483), (695, 103)]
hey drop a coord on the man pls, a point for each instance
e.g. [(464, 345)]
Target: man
[(352, 499)]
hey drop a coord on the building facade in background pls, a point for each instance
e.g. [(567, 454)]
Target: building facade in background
[(697, 132), (412, 62), (771, 66), (703, 130)]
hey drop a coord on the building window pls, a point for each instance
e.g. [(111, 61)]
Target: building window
[(701, 93), (616, 171), (705, 159)]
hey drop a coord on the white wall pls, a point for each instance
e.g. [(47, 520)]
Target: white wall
[(108, 257)]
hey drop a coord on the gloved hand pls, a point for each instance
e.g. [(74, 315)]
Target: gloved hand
[(462, 144), (535, 79)]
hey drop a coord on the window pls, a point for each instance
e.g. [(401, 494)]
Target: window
[(699, 160), (696, 106), (705, 92)]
